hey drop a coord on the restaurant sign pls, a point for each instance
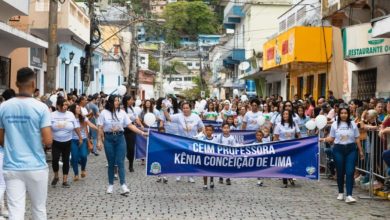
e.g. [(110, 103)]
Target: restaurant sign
[(357, 42)]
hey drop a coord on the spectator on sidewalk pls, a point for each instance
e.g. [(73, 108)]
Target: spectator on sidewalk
[(24, 129)]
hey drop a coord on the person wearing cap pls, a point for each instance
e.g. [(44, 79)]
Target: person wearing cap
[(226, 109)]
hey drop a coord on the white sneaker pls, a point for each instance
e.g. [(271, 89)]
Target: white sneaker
[(178, 178), (2, 218), (60, 163), (110, 189), (191, 180), (125, 190), (350, 199), (340, 196)]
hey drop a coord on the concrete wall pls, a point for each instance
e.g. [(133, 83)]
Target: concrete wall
[(381, 63), (112, 72)]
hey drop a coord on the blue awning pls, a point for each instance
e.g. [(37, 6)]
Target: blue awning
[(238, 55)]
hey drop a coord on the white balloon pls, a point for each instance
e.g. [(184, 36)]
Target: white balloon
[(260, 120), (321, 121), (235, 92), (138, 102), (149, 119), (244, 98), (122, 90), (310, 125)]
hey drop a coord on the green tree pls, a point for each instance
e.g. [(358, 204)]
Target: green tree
[(194, 92), (188, 18), (153, 64)]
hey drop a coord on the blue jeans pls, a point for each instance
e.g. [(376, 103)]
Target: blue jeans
[(79, 153), (345, 157), (115, 149)]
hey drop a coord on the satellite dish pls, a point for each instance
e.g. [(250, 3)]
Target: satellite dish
[(244, 65)]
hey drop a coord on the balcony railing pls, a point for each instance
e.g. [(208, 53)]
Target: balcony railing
[(72, 20)]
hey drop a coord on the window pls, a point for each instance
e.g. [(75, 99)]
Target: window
[(177, 79), (366, 84), (291, 20), (189, 64), (301, 13), (321, 84), (5, 71), (188, 78), (197, 64), (309, 84), (282, 26)]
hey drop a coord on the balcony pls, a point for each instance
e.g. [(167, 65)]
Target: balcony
[(73, 23), (233, 14), (10, 8)]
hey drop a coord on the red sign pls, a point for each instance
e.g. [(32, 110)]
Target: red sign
[(270, 53), (285, 47)]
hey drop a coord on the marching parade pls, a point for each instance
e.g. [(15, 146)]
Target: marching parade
[(165, 109)]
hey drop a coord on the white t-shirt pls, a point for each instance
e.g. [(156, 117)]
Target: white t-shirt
[(82, 130), (278, 118), (203, 137), (250, 119), (84, 111), (344, 134), (63, 125), (229, 140), (286, 132), (132, 114), (187, 125), (115, 124)]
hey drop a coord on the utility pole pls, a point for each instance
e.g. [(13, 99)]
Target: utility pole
[(160, 75), (52, 50), (86, 77), (133, 70)]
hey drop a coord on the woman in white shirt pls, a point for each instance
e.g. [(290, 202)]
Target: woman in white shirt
[(189, 123), (345, 135), (80, 152), (63, 123), (286, 129), (128, 106), (111, 124), (148, 107)]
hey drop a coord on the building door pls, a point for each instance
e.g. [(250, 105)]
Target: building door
[(366, 84), (278, 88), (300, 86), (321, 90), (309, 84), (76, 78)]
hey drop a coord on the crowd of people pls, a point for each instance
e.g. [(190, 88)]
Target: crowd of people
[(71, 126)]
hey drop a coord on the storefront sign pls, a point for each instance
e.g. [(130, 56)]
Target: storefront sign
[(359, 43), (36, 57)]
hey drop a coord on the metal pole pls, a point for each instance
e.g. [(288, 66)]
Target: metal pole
[(52, 49), (160, 80)]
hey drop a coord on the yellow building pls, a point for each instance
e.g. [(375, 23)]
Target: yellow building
[(310, 57)]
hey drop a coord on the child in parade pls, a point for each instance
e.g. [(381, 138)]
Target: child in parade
[(259, 140), (209, 130), (163, 179), (230, 121), (226, 139)]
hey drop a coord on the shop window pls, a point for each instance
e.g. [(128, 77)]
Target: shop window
[(321, 85), (309, 85), (5, 71), (366, 84), (300, 86)]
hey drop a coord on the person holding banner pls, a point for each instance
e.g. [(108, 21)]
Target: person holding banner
[(345, 135), (111, 122), (250, 118), (287, 129), (128, 106), (209, 129), (187, 122), (226, 139)]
